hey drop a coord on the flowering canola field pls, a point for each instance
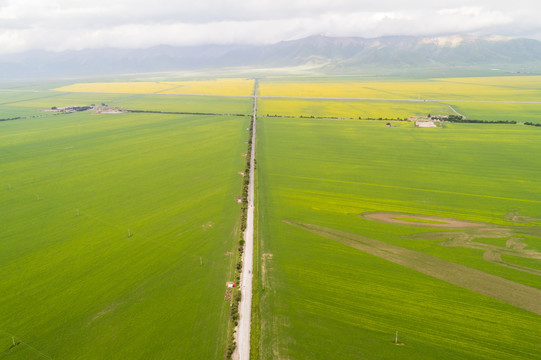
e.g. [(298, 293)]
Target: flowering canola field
[(350, 109), (502, 88), (234, 86)]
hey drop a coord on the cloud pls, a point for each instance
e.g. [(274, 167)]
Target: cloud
[(77, 24)]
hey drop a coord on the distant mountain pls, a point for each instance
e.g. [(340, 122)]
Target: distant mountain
[(330, 54)]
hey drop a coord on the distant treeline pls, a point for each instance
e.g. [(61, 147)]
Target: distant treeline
[(473, 121), (22, 117), (460, 119), (181, 113)]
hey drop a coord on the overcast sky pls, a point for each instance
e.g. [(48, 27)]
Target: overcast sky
[(77, 24)]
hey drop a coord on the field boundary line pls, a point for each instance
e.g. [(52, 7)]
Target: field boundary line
[(456, 112)]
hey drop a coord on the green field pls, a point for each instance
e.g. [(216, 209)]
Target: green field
[(320, 297), (500, 112), (176, 103), (24, 103), (105, 222)]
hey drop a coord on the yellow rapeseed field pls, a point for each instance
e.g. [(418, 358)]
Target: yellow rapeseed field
[(449, 91), (349, 109), (204, 87), (213, 87), (145, 87), (337, 89), (504, 88)]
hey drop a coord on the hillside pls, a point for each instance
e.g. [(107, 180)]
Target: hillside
[(327, 54)]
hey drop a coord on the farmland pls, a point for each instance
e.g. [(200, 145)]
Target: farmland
[(350, 108), (326, 291), (500, 111), (488, 98), (201, 104), (195, 87), (30, 103), (117, 230), (518, 88)]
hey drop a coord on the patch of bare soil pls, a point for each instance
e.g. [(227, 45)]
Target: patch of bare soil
[(449, 223), (492, 256), (496, 258), (466, 237), (228, 294), (207, 225), (514, 216), (493, 253), (106, 310), (508, 291), (264, 265), (515, 244)]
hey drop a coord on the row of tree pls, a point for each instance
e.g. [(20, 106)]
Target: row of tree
[(333, 117), (461, 119), (181, 113)]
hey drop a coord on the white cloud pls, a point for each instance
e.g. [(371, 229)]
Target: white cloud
[(77, 24)]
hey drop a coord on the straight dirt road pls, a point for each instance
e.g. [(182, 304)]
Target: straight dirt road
[(245, 307)]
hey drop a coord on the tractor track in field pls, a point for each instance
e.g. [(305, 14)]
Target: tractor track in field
[(493, 286), (465, 233)]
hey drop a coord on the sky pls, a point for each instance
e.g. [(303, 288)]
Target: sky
[(58, 25)]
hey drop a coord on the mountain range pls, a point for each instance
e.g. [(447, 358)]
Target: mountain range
[(326, 54)]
